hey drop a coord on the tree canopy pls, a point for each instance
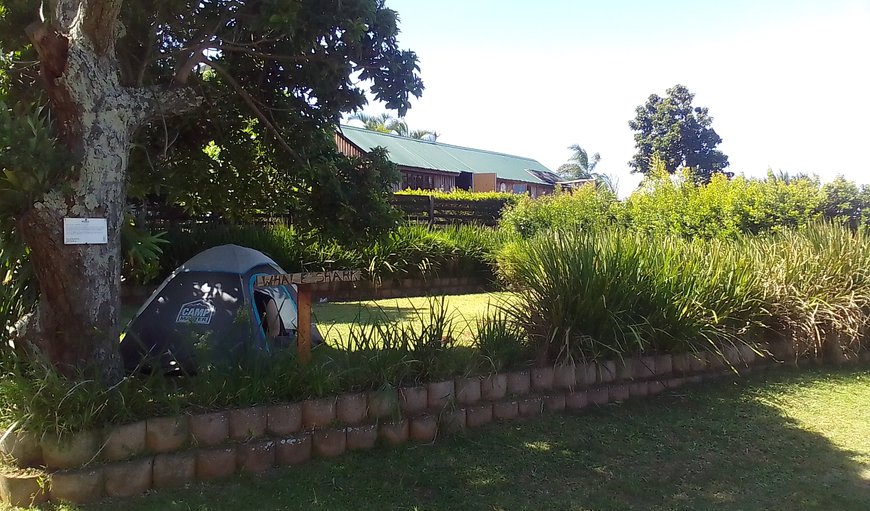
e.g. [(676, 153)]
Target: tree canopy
[(580, 165), (681, 134), (216, 106), (386, 123)]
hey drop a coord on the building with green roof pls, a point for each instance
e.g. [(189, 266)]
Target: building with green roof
[(429, 165)]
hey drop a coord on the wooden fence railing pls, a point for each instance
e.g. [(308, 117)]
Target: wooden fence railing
[(437, 211), (416, 208)]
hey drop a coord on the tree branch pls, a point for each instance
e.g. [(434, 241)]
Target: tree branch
[(254, 108), (100, 18), (160, 101)]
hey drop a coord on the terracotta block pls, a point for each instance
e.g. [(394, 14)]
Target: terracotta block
[(479, 415), (565, 375), (606, 371), (454, 421), (555, 403), (530, 406), (394, 433), (77, 487), (128, 478), (715, 361), (656, 387), (493, 387), (576, 400), (748, 356), (664, 364), (362, 437), (383, 403), (638, 389), (467, 390), (284, 419), (644, 367), (675, 383), (71, 451), (22, 490), (294, 450), (351, 408), (599, 396), (624, 369), (619, 392), (519, 383), (587, 374), (440, 394), (697, 362), (216, 463), (542, 378), (21, 447), (329, 443), (680, 363), (423, 428), (166, 434), (173, 470), (256, 457), (505, 410), (318, 413), (122, 442), (209, 429), (413, 400), (247, 423)]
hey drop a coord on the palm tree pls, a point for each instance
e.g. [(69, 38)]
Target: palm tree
[(385, 123), (580, 165)]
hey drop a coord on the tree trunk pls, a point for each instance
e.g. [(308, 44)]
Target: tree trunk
[(76, 325)]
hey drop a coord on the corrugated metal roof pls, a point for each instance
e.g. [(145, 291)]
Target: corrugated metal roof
[(425, 154)]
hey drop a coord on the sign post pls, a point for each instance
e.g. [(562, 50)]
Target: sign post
[(303, 283)]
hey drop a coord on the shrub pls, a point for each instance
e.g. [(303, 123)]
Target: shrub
[(586, 208), (608, 293)]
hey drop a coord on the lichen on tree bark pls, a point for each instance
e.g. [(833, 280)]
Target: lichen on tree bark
[(76, 324)]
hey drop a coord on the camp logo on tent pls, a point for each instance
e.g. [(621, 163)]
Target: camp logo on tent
[(198, 312)]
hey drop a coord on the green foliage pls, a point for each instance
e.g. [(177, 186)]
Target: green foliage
[(816, 284), (18, 290), (460, 194), (385, 123), (411, 250), (723, 208), (679, 133), (587, 208), (580, 165), (502, 344), (605, 293), (31, 161)]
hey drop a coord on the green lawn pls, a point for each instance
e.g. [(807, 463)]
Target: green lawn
[(780, 441), (334, 319)]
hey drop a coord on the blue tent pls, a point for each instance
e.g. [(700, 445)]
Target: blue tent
[(207, 311)]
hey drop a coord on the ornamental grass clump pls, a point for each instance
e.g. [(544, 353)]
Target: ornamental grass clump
[(817, 286), (613, 293)]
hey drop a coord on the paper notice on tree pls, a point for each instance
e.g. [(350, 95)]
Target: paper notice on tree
[(85, 231)]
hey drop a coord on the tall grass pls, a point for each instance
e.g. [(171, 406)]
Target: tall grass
[(816, 285), (407, 251), (617, 292), (612, 293)]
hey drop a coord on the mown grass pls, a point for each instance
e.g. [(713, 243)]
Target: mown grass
[(786, 440), (334, 320)]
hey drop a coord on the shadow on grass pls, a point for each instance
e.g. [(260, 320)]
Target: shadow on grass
[(714, 446), (354, 312)]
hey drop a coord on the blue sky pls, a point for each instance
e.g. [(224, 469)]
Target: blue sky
[(787, 82)]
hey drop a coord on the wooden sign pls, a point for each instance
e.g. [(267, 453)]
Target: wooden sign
[(308, 278)]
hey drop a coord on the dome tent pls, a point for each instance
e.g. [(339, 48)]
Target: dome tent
[(208, 307)]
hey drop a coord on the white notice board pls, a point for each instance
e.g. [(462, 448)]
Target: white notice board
[(85, 231)]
